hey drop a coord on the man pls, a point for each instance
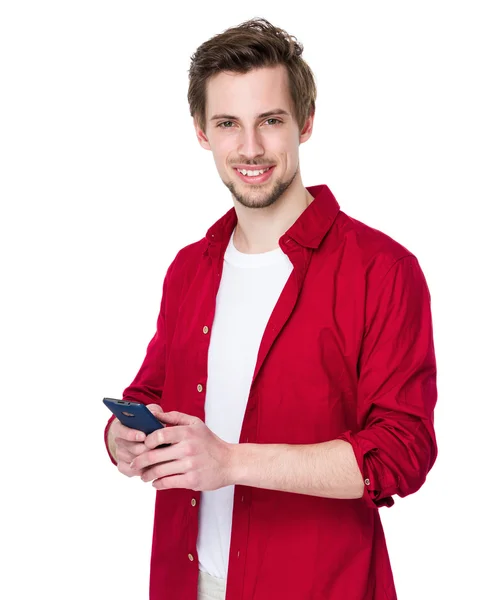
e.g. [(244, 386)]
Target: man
[(293, 362)]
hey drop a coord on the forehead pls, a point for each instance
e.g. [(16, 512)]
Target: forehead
[(246, 94)]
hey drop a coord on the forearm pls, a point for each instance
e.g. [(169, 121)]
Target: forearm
[(328, 469)]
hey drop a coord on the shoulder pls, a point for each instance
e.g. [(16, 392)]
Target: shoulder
[(371, 250), (185, 263), (191, 253), (384, 265)]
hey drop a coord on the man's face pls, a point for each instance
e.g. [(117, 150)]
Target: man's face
[(250, 123)]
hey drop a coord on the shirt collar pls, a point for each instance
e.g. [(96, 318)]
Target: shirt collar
[(308, 230)]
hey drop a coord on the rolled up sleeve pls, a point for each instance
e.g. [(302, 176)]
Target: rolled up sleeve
[(394, 442)]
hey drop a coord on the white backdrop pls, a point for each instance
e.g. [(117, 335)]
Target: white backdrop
[(102, 182)]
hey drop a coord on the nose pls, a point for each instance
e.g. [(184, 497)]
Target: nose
[(250, 144)]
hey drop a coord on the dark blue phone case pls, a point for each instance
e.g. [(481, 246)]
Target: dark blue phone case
[(134, 415)]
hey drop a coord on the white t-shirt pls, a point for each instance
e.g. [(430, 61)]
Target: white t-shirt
[(249, 289)]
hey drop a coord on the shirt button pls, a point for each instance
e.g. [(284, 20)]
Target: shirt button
[(199, 387), (367, 481), (191, 557), (205, 329), (193, 502)]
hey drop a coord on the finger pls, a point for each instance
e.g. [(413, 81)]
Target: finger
[(172, 482), (129, 450), (124, 468), (167, 435), (134, 448), (122, 455), (175, 467), (152, 457), (126, 433), (177, 418)]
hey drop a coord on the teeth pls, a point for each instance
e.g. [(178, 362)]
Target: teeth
[(252, 173)]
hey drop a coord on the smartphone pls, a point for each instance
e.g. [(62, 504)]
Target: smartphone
[(135, 415)]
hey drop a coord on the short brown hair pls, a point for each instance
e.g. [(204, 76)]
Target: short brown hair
[(253, 44)]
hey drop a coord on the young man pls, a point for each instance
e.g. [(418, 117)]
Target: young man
[(293, 362)]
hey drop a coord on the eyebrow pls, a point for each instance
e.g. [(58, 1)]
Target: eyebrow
[(276, 111)]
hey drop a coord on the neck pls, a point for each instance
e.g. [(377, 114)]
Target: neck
[(259, 229)]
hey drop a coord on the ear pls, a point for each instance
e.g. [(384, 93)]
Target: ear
[(201, 136), (307, 130)]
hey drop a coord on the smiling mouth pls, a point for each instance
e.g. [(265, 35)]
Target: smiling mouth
[(253, 172), (254, 176)]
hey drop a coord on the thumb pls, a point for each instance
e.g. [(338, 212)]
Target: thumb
[(157, 411), (178, 418)]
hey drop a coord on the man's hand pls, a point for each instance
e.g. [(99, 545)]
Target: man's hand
[(125, 443), (197, 459)]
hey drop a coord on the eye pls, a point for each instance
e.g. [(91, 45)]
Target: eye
[(272, 119), (223, 124)]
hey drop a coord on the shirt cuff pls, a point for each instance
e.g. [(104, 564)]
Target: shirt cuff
[(374, 496)]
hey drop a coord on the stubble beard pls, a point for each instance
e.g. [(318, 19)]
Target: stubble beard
[(259, 198)]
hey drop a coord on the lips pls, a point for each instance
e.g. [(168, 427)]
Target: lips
[(252, 167), (257, 178)]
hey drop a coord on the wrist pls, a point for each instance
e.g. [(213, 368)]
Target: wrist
[(238, 462)]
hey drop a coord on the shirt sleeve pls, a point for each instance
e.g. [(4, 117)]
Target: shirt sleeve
[(394, 443), (148, 384)]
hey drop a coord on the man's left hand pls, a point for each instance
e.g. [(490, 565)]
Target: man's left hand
[(197, 459)]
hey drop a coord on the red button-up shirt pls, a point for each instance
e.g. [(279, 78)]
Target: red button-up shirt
[(347, 354)]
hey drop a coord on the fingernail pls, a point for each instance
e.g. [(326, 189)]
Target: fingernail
[(131, 465), (140, 437)]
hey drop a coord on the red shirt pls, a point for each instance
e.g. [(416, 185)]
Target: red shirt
[(347, 353)]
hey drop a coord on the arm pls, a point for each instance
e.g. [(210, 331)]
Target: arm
[(199, 460), (148, 383), (389, 451), (394, 446), (328, 469)]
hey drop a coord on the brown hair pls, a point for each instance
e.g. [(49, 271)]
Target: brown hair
[(253, 44)]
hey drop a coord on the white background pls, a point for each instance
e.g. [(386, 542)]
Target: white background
[(102, 182)]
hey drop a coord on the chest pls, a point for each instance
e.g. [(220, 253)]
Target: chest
[(307, 334)]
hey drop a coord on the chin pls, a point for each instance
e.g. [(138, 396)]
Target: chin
[(260, 196)]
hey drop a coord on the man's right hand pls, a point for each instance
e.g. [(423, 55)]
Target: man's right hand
[(125, 444)]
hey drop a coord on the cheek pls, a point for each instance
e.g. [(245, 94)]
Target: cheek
[(223, 141), (286, 148), (219, 160), (222, 152)]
